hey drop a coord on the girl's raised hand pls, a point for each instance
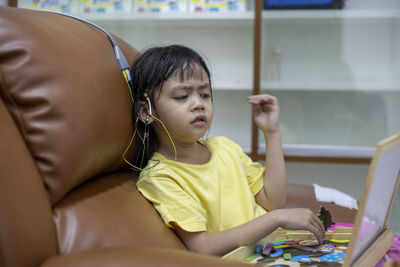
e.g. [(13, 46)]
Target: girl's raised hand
[(266, 112), (299, 219)]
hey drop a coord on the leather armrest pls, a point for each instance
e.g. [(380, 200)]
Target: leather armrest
[(137, 256), (297, 195), (303, 196)]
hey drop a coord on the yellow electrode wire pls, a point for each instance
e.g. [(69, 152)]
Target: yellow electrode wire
[(127, 82), (134, 133), (126, 150), (170, 138)]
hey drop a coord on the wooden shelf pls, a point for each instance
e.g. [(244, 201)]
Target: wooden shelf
[(323, 153), (330, 14), (237, 17), (331, 86), (247, 16), (261, 157)]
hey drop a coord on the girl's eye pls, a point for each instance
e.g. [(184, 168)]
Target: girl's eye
[(181, 97), (205, 96)]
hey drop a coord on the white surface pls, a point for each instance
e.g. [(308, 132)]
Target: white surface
[(327, 194), (324, 150), (382, 181)]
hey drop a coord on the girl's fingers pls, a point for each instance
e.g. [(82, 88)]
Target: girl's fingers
[(261, 99), (321, 225), (316, 231), (266, 103), (317, 224)]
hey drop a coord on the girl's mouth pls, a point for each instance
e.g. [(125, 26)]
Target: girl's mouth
[(199, 120)]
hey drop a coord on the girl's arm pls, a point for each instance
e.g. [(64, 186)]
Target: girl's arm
[(266, 114), (222, 242)]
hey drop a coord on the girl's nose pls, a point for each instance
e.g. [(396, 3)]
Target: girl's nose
[(198, 103)]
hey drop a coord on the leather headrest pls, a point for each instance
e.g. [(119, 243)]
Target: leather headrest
[(63, 86)]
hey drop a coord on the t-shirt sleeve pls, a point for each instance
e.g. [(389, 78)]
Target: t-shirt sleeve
[(173, 203), (254, 170)]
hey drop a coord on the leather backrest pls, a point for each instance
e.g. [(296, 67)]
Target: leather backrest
[(64, 89), (65, 120), (109, 211), (27, 232)]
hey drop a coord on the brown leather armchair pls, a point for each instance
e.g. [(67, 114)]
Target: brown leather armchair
[(66, 196)]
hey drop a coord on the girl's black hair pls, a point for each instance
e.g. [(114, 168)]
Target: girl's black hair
[(149, 72)]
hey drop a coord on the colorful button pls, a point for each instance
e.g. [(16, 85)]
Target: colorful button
[(267, 249), (258, 248), (301, 258), (337, 256), (276, 252), (287, 256), (326, 248), (252, 257)]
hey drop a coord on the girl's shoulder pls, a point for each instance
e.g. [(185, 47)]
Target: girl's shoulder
[(222, 141), (156, 166)]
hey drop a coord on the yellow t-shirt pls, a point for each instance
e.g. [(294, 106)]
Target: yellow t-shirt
[(209, 197)]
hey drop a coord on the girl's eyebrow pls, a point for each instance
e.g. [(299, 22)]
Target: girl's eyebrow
[(181, 87), (205, 85)]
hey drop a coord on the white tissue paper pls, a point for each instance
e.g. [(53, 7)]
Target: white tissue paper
[(327, 194)]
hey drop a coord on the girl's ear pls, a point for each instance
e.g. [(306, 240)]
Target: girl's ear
[(143, 114)]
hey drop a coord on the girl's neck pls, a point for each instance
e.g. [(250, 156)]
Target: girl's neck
[(195, 153)]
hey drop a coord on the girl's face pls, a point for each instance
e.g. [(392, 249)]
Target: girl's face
[(185, 108)]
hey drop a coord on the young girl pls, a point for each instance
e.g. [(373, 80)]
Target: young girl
[(208, 191)]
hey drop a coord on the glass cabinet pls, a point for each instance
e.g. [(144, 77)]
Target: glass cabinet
[(336, 74)]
